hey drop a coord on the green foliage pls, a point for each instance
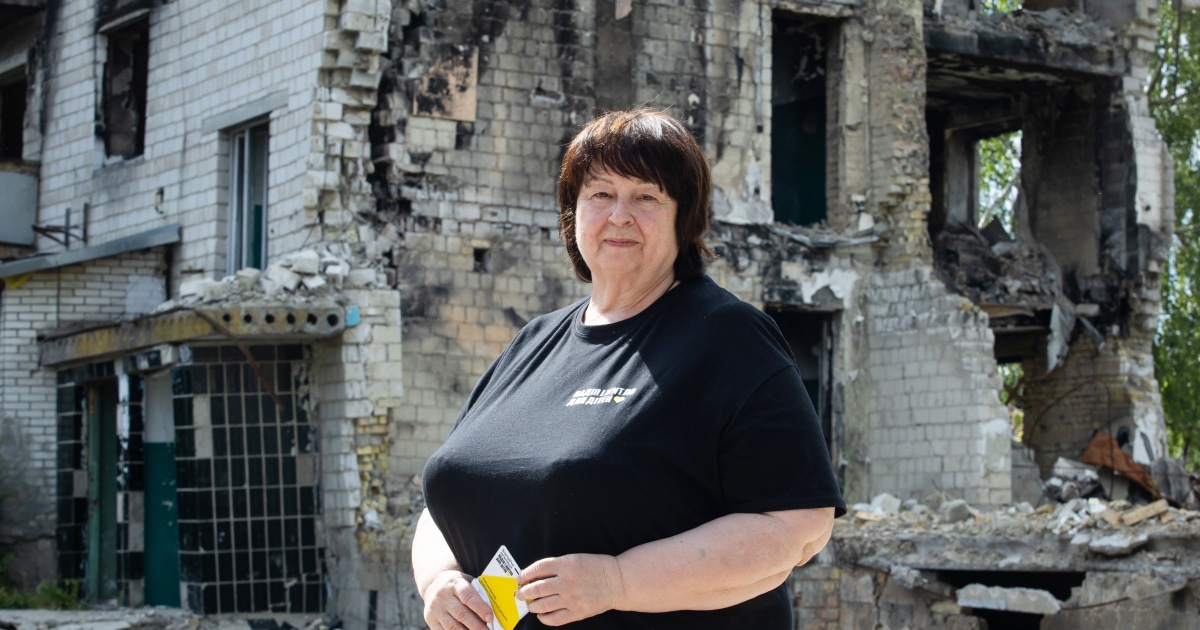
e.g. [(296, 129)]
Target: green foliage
[(999, 6), (1175, 105), (49, 594), (999, 172), (1012, 395)]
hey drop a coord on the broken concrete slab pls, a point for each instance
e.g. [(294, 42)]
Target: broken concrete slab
[(886, 503), (361, 277), (247, 279), (306, 262), (1014, 599), (955, 511), (283, 277), (1139, 514), (1120, 544), (195, 286)]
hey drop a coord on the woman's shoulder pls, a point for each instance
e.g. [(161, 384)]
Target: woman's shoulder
[(727, 324), (548, 322), (713, 303)]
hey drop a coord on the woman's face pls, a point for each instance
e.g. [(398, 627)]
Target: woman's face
[(625, 227)]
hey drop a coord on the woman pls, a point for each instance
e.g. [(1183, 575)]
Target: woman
[(648, 454)]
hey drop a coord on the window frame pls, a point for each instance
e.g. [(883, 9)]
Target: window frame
[(242, 219)]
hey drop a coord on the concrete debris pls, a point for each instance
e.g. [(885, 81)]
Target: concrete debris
[(300, 276), (156, 618), (1068, 28), (1100, 588), (886, 503), (1139, 514), (306, 262), (908, 577), (195, 286), (247, 278), (1121, 544), (1013, 599), (1176, 483), (283, 277), (996, 271), (1068, 519), (955, 511), (1071, 480)]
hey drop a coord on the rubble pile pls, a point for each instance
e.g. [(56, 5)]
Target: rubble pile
[(160, 618), (298, 277), (1064, 27), (990, 268)]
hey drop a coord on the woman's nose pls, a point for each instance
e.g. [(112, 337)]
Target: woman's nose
[(621, 214)]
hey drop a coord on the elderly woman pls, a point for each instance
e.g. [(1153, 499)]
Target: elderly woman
[(649, 452)]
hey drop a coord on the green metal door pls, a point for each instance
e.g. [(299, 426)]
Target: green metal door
[(101, 582), (162, 512)]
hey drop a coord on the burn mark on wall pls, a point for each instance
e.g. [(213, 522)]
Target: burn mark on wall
[(448, 89)]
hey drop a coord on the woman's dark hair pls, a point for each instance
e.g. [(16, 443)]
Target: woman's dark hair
[(653, 147)]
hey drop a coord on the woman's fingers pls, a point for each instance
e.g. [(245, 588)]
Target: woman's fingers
[(452, 604), (569, 588)]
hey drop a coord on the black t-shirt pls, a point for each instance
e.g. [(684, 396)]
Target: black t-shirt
[(595, 439)]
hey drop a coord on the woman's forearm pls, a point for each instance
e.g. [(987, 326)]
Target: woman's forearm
[(721, 563), (430, 553)]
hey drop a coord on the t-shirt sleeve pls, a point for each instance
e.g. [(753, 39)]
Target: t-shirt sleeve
[(773, 455)]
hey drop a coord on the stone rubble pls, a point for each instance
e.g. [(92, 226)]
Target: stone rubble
[(157, 618), (299, 277), (1112, 528)]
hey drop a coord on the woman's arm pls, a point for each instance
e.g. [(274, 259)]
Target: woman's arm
[(450, 600), (721, 563)]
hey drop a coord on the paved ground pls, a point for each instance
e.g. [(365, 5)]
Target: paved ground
[(150, 619)]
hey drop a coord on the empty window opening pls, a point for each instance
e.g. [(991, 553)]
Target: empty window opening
[(483, 260), (798, 117), (124, 98), (810, 336), (13, 88), (248, 197), (1012, 394), (998, 160)]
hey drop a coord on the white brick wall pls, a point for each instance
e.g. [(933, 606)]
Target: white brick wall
[(206, 59), (94, 292), (935, 419)]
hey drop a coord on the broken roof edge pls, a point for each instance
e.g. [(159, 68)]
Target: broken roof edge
[(1026, 49), (231, 323), (165, 235)]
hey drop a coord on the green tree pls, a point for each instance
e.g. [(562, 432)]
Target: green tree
[(1172, 89), (999, 175), (999, 6)]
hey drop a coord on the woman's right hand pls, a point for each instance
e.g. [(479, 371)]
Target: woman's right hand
[(451, 603)]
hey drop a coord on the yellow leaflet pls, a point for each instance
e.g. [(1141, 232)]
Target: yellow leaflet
[(502, 592)]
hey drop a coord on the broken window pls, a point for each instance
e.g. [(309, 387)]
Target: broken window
[(810, 336), (247, 236), (123, 120), (12, 115), (798, 116), (999, 166)]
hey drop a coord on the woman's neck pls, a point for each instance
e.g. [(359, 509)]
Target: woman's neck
[(614, 300)]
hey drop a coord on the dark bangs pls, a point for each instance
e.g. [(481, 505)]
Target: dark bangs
[(650, 146)]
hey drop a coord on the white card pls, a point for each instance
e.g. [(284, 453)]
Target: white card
[(497, 585)]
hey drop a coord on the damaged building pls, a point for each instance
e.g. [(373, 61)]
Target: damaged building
[(255, 255)]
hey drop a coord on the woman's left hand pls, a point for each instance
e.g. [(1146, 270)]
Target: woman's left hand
[(569, 588)]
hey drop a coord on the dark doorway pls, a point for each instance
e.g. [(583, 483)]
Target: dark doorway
[(810, 335), (101, 534), (798, 115)]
